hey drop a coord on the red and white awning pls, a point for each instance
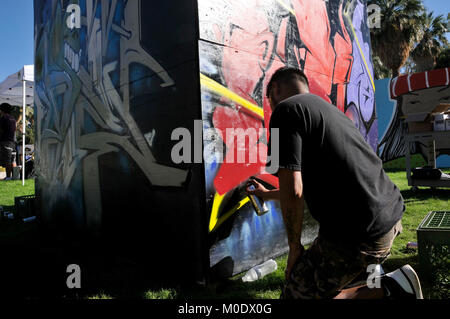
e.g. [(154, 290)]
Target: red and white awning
[(418, 81)]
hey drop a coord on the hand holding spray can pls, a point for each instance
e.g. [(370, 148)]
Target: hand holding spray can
[(258, 204)]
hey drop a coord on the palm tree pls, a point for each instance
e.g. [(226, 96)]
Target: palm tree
[(432, 43), (443, 60), (400, 26), (380, 70)]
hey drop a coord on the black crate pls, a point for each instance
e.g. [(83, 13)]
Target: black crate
[(433, 236), (25, 206)]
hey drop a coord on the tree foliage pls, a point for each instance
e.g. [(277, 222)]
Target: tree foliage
[(409, 37), (443, 59), (432, 43)]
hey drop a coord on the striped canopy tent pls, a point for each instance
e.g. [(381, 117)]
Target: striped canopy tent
[(18, 90)]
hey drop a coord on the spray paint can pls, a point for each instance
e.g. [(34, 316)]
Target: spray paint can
[(258, 204), (5, 215), (29, 219)]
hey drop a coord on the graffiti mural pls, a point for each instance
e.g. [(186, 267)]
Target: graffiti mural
[(241, 45), (101, 103), (361, 88), (108, 96), (413, 93), (110, 93)]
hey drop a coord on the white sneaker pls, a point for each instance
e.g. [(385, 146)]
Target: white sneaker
[(402, 283)]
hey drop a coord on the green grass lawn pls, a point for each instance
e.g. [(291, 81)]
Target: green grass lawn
[(11, 189), (417, 206), (8, 191)]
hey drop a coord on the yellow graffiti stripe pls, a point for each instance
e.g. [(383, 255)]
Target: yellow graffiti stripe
[(215, 211), (287, 7), (215, 221), (362, 54), (224, 91), (219, 89)]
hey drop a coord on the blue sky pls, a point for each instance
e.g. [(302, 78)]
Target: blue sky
[(16, 32), (16, 35), (437, 6)]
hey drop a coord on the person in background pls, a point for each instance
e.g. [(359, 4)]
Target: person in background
[(7, 138)]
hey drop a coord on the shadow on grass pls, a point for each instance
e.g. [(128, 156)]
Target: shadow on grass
[(34, 267), (394, 263), (269, 287), (137, 284), (425, 194)]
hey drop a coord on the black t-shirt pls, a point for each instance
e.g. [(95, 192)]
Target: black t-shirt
[(7, 128), (344, 184)]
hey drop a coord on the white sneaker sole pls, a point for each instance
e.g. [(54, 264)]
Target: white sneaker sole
[(413, 280)]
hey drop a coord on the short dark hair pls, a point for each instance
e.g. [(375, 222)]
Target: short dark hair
[(5, 107), (286, 74)]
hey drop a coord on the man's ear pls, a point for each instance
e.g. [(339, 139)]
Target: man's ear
[(275, 90)]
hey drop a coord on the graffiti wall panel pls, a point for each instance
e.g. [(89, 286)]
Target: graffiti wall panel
[(241, 45), (413, 93), (109, 93)]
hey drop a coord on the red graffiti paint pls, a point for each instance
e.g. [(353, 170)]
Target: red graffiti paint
[(252, 52)]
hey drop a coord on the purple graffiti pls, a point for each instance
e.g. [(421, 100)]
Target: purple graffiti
[(360, 90)]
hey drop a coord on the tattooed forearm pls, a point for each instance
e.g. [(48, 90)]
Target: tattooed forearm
[(292, 203)]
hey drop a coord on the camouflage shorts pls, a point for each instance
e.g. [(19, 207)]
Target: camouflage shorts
[(327, 267)]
